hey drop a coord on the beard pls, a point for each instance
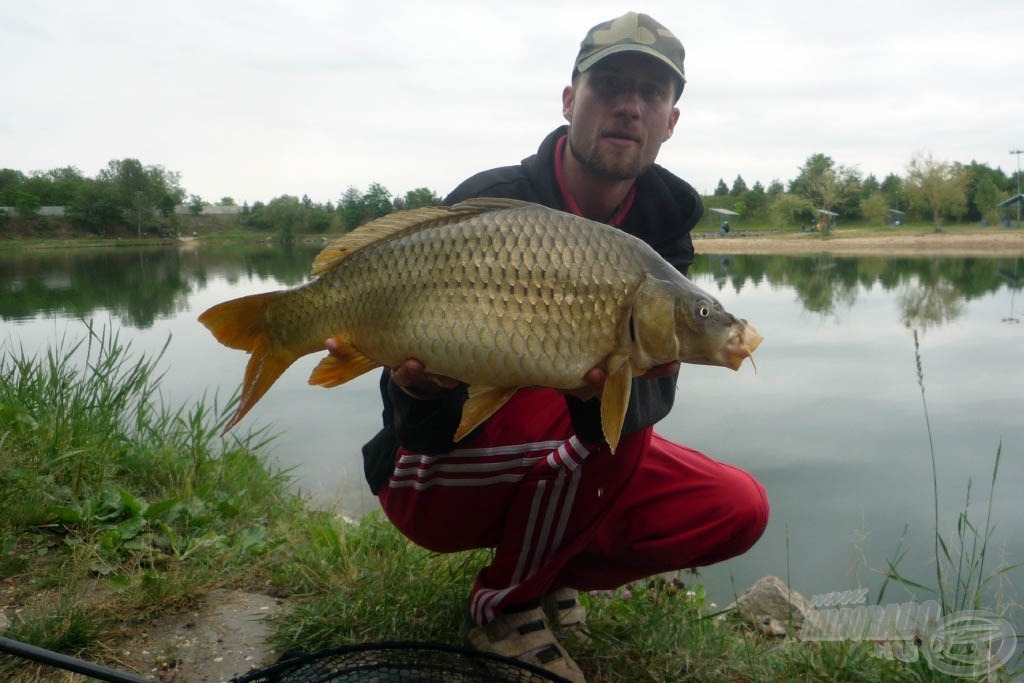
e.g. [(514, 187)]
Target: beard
[(607, 165)]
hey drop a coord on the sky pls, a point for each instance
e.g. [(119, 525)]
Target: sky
[(256, 99)]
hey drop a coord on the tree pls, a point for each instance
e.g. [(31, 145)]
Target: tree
[(985, 188), (226, 201), (10, 179), (27, 204), (195, 204), (892, 188), (827, 186), (817, 182), (377, 201), (870, 186), (57, 186), (352, 208), (939, 186), (753, 202), (791, 209), (143, 189), (875, 208), (414, 199), (985, 198), (738, 187), (721, 190), (96, 206)]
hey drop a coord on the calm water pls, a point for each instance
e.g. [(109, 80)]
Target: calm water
[(832, 423)]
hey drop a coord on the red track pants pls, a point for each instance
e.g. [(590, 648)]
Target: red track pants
[(562, 513)]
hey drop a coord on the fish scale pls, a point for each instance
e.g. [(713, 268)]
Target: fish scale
[(499, 294)]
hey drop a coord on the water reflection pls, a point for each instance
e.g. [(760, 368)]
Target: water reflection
[(141, 286), (138, 286), (1016, 282), (930, 291)]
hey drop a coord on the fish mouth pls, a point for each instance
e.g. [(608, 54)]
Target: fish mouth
[(742, 345)]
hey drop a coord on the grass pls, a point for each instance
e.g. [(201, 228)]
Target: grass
[(961, 581), (115, 508)]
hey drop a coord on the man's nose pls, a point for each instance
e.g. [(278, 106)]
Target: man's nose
[(629, 102)]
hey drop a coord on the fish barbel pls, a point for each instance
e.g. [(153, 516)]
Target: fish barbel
[(497, 293)]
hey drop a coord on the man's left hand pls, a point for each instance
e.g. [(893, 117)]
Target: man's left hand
[(593, 380)]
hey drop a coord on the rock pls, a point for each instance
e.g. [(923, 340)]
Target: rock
[(772, 607)]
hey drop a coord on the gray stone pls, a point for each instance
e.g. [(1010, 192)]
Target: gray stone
[(772, 607)]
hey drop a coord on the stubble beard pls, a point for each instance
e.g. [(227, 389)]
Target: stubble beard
[(607, 166)]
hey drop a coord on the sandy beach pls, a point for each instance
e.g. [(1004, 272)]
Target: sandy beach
[(999, 242)]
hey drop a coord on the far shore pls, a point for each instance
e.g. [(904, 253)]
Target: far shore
[(1007, 242)]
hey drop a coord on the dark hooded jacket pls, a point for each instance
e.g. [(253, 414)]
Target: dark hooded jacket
[(663, 213)]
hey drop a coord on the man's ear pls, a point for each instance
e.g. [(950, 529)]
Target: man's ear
[(568, 101), (673, 119)]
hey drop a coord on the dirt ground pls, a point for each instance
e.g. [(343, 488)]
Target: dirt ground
[(1004, 242), (223, 637)]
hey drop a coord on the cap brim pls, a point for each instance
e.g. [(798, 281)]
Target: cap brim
[(588, 62)]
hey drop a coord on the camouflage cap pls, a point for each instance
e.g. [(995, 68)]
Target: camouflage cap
[(632, 32)]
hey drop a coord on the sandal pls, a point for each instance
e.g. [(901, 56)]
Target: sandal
[(568, 617), (526, 637)]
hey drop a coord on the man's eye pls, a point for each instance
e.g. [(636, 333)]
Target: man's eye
[(607, 84), (652, 92)]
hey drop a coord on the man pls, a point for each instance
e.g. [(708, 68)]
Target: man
[(536, 481)]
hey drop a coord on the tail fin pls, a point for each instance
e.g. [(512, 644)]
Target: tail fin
[(241, 324)]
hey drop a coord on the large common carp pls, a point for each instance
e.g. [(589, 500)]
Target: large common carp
[(497, 293)]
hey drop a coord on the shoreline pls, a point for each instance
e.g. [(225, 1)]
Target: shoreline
[(1006, 243)]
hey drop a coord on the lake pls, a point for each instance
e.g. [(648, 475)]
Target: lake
[(832, 422)]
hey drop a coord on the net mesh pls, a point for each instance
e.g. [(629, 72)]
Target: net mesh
[(398, 662)]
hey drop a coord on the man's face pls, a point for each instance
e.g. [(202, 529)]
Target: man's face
[(619, 113)]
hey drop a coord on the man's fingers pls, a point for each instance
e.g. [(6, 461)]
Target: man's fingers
[(412, 376)]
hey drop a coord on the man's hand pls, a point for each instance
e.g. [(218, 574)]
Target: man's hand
[(593, 381), (412, 378)]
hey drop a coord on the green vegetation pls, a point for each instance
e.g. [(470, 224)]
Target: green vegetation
[(125, 193), (935, 191), (129, 198), (115, 508)]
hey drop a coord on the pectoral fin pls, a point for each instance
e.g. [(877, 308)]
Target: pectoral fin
[(481, 404), (346, 363), (615, 398)]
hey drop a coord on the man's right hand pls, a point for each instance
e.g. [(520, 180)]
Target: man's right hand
[(412, 378)]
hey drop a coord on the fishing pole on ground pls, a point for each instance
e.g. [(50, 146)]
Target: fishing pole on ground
[(73, 664)]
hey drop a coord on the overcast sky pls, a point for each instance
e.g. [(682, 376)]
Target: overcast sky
[(261, 98)]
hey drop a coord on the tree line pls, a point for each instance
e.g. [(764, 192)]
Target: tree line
[(123, 193), (127, 193), (931, 190), (287, 215)]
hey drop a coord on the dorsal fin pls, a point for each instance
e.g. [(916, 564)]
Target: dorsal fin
[(490, 204), (383, 228), (401, 221)]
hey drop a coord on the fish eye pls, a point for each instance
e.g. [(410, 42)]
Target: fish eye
[(704, 311)]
